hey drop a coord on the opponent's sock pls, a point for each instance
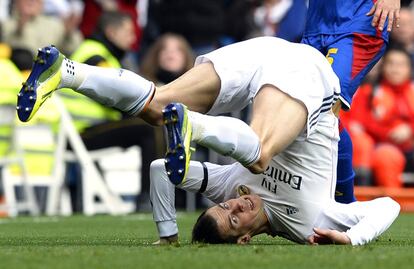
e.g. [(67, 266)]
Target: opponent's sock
[(345, 174), (344, 192), (227, 136), (112, 87)]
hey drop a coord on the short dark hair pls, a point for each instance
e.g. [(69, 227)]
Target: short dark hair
[(206, 230), (111, 18)]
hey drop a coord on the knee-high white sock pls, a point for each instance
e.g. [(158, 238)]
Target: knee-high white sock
[(112, 87), (227, 136)]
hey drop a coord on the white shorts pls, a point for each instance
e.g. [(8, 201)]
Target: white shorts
[(296, 69)]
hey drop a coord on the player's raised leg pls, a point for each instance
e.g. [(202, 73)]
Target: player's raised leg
[(277, 119), (119, 88), (43, 80), (225, 135), (198, 89), (179, 130), (112, 87)]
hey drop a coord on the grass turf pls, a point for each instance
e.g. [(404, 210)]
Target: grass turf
[(125, 242)]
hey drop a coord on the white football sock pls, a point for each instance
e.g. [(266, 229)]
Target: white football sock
[(113, 87), (227, 136)]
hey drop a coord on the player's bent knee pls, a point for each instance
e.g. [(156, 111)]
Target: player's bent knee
[(260, 165), (392, 204), (152, 115)]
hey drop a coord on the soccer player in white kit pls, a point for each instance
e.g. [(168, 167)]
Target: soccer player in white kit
[(290, 146), (294, 196)]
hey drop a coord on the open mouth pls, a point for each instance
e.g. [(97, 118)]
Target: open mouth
[(250, 203)]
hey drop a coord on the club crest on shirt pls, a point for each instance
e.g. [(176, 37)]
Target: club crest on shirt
[(243, 190)]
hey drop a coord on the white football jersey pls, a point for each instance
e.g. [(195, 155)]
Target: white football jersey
[(298, 186)]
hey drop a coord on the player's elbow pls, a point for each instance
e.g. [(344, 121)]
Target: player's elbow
[(157, 164), (257, 168), (157, 169), (392, 206), (260, 165), (395, 206)]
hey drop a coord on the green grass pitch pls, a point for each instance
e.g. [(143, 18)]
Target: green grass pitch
[(125, 242)]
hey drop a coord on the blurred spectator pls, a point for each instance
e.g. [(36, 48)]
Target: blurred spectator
[(406, 2), (110, 41), (106, 47), (239, 21), (69, 11), (27, 25), (404, 35), (282, 18), (381, 121), (94, 8), (23, 59), (63, 8), (269, 14), (168, 58), (202, 23), (10, 83), (5, 10), (373, 75)]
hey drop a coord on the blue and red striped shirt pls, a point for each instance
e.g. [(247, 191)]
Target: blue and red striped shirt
[(332, 17)]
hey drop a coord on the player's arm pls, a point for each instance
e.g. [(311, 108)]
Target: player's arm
[(383, 9), (367, 221), (328, 236), (162, 193)]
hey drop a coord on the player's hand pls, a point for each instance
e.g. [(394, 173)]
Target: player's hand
[(383, 9), (327, 236), (171, 240)]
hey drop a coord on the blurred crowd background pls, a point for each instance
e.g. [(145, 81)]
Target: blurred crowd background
[(159, 39)]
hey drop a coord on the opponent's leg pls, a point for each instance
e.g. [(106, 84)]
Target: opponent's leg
[(344, 192), (352, 57)]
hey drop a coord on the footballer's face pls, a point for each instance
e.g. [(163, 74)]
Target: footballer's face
[(123, 35), (242, 217)]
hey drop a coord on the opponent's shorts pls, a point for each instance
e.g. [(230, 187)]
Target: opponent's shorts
[(352, 56)]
